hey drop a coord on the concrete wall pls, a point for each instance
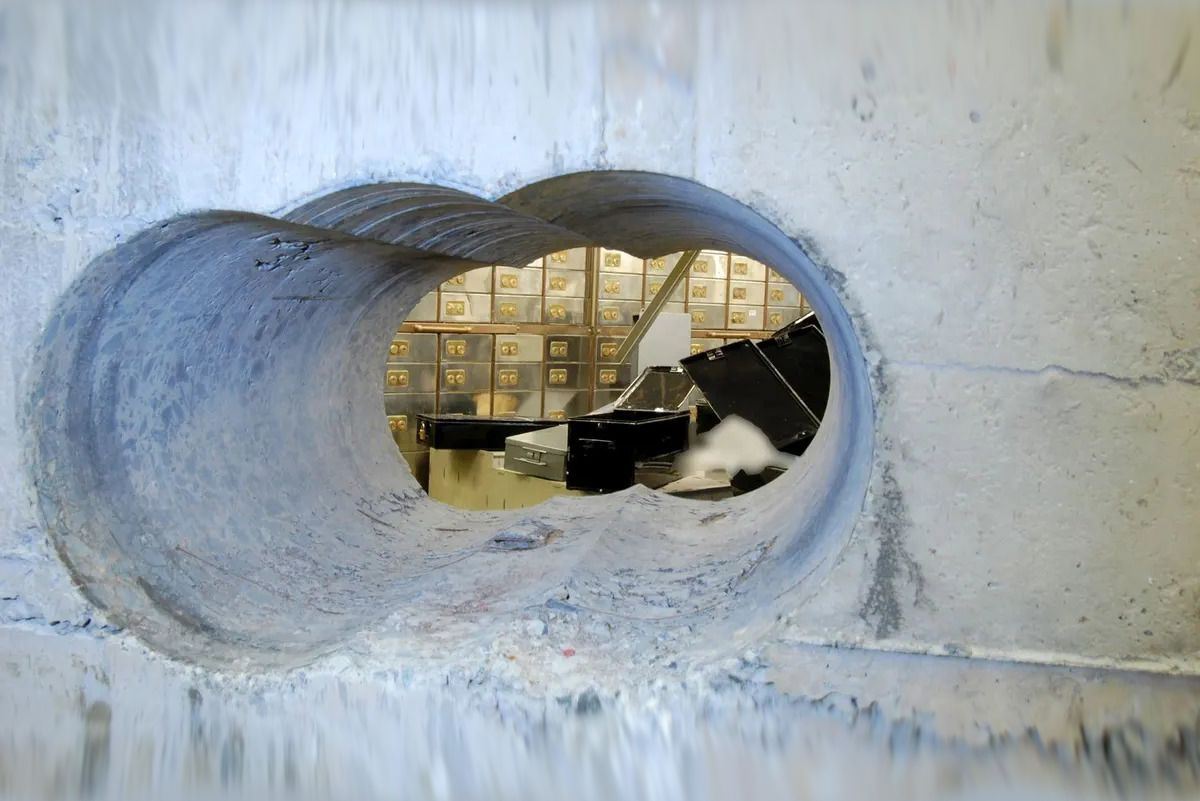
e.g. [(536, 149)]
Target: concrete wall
[(1006, 197)]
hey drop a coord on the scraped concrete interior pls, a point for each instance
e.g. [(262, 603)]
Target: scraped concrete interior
[(210, 463), (217, 579)]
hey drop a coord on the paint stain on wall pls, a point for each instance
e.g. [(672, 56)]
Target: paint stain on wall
[(1054, 41), (893, 563), (97, 738), (1177, 64)]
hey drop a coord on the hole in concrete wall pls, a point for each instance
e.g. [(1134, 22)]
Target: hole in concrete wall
[(211, 464), (484, 373)]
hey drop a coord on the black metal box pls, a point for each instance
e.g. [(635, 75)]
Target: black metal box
[(602, 449), (738, 379), (706, 418), (469, 432), (798, 351)]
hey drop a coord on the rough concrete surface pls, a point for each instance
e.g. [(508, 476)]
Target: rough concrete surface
[(999, 203)]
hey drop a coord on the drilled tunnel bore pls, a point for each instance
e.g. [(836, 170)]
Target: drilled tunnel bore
[(211, 463)]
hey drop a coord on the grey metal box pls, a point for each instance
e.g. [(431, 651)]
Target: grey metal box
[(567, 376), (710, 264), (783, 295), (654, 284), (477, 280), (466, 347), (519, 376), (606, 348), (615, 261), (518, 309), (744, 269), (575, 259), (406, 347), (518, 347), (566, 283), (617, 312), (753, 293), (466, 376), (410, 378), (519, 403), (746, 318), (619, 286), (566, 348), (701, 290), (613, 376), (779, 316), (707, 316), (518, 281), (538, 453), (462, 307), (662, 264), (565, 311), (402, 411)]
